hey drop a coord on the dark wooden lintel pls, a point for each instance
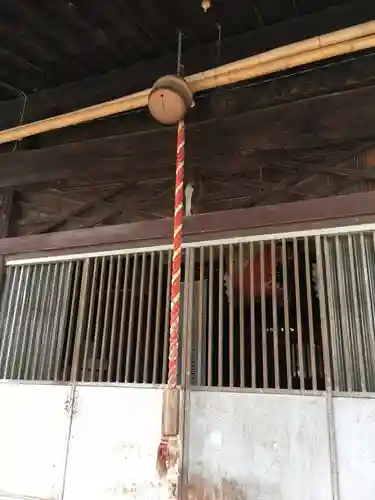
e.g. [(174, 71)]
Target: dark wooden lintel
[(312, 214)]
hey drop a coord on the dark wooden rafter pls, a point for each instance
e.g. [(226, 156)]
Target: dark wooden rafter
[(46, 29), (138, 16), (26, 44), (97, 36), (143, 74)]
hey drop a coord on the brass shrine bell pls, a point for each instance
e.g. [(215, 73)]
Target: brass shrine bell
[(169, 99)]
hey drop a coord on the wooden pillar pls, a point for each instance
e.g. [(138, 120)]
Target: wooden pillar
[(6, 205)]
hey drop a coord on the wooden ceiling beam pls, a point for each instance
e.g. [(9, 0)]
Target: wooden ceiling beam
[(306, 124), (312, 83)]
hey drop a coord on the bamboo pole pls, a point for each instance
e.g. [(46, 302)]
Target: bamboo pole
[(315, 49), (227, 76), (102, 110), (315, 43)]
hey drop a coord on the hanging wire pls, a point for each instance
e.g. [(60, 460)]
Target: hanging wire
[(218, 90), (218, 44), (179, 53), (22, 114)]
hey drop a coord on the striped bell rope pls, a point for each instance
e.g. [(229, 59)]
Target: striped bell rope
[(176, 258), (164, 449)]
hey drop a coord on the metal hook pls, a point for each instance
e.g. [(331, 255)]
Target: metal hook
[(188, 198)]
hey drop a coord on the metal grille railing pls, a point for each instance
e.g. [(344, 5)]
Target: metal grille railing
[(103, 319), (348, 297), (261, 311), (125, 327), (38, 321), (287, 313), (293, 313)]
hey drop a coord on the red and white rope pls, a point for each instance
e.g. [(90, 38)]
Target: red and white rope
[(164, 453), (176, 259)]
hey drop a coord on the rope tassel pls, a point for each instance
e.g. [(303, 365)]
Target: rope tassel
[(168, 450)]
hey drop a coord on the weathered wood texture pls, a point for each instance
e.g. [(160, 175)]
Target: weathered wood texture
[(290, 137), (60, 42), (321, 81), (269, 178), (147, 46), (6, 207), (293, 151)]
